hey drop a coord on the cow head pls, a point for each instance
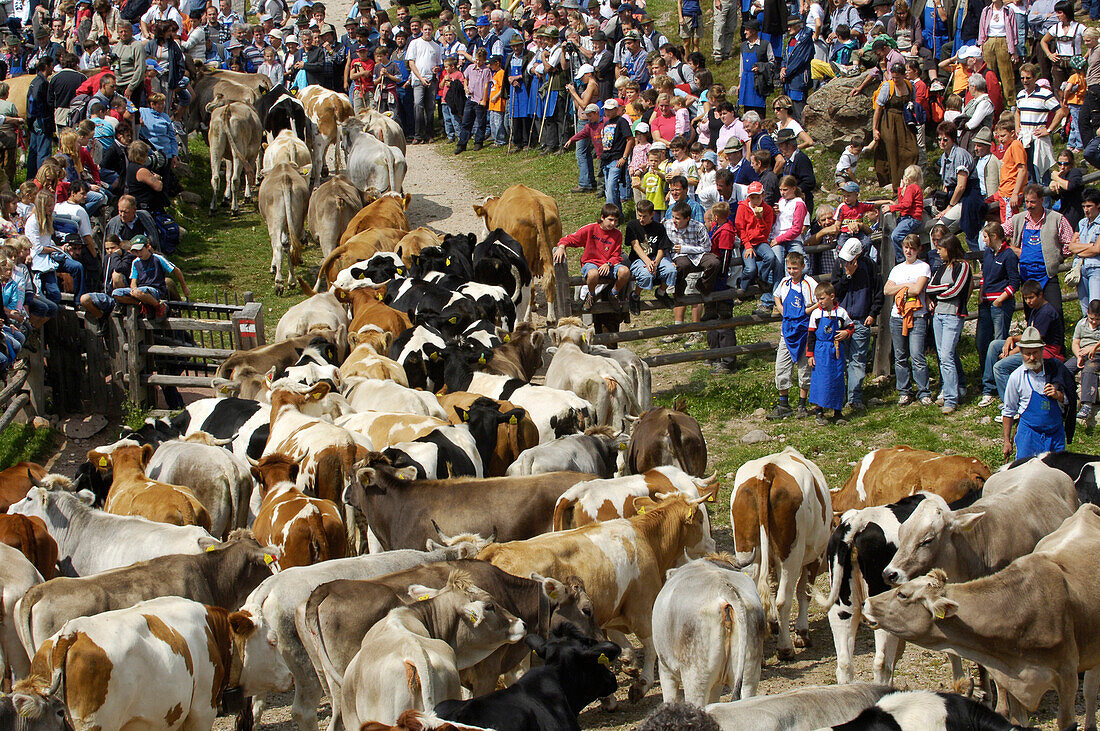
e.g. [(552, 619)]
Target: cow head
[(482, 418), (584, 663), (460, 245), (272, 469), (39, 707), (572, 330), (682, 516), (911, 610), (256, 644), (372, 338), (485, 210), (247, 383), (240, 563), (569, 605), (469, 540), (926, 539)]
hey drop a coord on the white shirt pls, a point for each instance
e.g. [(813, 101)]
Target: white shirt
[(906, 274), (77, 213), (807, 287), (1019, 388), (427, 55), (153, 14), (997, 22)]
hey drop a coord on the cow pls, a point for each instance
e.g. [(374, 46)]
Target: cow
[(219, 479), (781, 514), (243, 373), (859, 549), (493, 302), (357, 248), (1016, 510), (16, 480), (621, 564), (445, 451), (520, 356), (235, 137), (383, 429), (1081, 468), (411, 657), (28, 535), (803, 709), (244, 421), (576, 671), (592, 501), (332, 206), (922, 709), (50, 716), (272, 605), (386, 211), (667, 436), (398, 508), (286, 147), (415, 241), (634, 366), (367, 308), (337, 615), (134, 493), (284, 197), (887, 475), (371, 162), (419, 351), (368, 356), (202, 88), (382, 268), (387, 396), (498, 260), (328, 110), (384, 127), (305, 530), (17, 577), (1032, 623), (223, 575), (513, 435), (599, 450), (532, 218), (105, 666), (280, 111), (600, 381), (322, 311), (708, 632)]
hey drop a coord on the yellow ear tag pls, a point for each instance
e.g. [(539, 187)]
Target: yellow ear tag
[(424, 598), (453, 321), (622, 447), (224, 389), (513, 420), (603, 660), (507, 337), (447, 263), (317, 397), (584, 338), (473, 617), (553, 595), (710, 499), (102, 461), (940, 614), (379, 296), (434, 356), (269, 559), (641, 510), (210, 548), (481, 360)]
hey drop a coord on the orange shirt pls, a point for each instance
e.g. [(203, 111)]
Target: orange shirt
[(1014, 157), (496, 86), (1078, 96)]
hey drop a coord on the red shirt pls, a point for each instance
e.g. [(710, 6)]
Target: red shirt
[(849, 217), (910, 202), (363, 83), (751, 230), (91, 86), (600, 247), (722, 237)]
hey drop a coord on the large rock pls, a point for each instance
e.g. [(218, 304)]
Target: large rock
[(831, 115)]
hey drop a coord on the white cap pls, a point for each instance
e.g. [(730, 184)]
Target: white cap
[(641, 127), (592, 108), (851, 250), (970, 52), (586, 68), (290, 39), (611, 104)]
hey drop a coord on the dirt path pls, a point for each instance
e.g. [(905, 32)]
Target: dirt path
[(442, 194)]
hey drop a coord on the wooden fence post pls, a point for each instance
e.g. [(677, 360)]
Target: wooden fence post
[(563, 303), (248, 326), (135, 359)]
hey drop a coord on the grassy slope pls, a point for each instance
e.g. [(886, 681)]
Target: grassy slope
[(22, 442)]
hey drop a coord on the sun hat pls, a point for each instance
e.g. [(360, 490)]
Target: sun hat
[(1031, 338)]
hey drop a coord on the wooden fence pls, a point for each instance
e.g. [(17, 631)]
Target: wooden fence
[(93, 372)]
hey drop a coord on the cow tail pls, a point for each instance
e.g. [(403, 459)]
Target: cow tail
[(412, 681), (24, 625), (318, 546), (332, 257), (247, 165), (675, 438), (292, 230), (763, 508), (563, 511), (735, 665)]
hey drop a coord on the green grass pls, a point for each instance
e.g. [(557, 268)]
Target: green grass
[(24, 443)]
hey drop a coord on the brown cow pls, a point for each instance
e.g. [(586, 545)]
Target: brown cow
[(203, 84), (359, 247), (667, 436), (531, 218), (306, 530), (284, 197), (15, 482), (331, 208), (885, 476), (132, 493), (235, 138), (386, 211), (414, 241), (512, 439), (242, 374), (328, 110), (520, 356), (367, 308), (29, 535)]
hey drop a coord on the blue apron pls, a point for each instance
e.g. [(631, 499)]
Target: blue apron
[(746, 93), (796, 323), (545, 102), (520, 99), (827, 388), (1041, 428), (933, 31), (1032, 264)]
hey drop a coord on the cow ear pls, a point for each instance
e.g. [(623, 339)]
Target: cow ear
[(99, 460), (270, 376), (146, 454), (941, 607), (340, 294), (474, 612), (463, 414), (554, 590), (434, 546), (242, 624), (421, 593), (292, 472), (86, 496), (223, 386), (963, 522), (320, 390), (512, 417), (642, 504), (366, 476), (537, 645), (406, 200), (479, 210), (28, 706)]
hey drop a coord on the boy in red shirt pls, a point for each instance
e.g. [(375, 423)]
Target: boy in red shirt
[(850, 213), (753, 223), (361, 75), (602, 258)]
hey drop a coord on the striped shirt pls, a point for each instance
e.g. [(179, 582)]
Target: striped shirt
[(1035, 107)]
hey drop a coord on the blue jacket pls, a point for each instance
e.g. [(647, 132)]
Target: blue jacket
[(796, 61), (1000, 271)]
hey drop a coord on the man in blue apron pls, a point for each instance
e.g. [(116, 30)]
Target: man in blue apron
[(1041, 393)]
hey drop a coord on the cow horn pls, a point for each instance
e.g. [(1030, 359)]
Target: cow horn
[(443, 536), (34, 482), (493, 535)]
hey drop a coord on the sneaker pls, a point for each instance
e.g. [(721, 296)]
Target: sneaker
[(460, 150), (988, 399), (905, 399), (821, 419), (675, 338), (801, 412), (781, 411), (1085, 413), (661, 295), (947, 410), (838, 419), (927, 401), (940, 399), (856, 407), (589, 301)]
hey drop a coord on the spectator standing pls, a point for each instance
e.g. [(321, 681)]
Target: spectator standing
[(859, 291), (826, 354), (39, 118), (1000, 282), (588, 137), (476, 81), (897, 143), (130, 70), (1040, 236), (617, 146), (1041, 394), (757, 68), (794, 73), (949, 290), (1085, 245), (796, 301), (997, 39), (909, 324), (1034, 103), (424, 58)]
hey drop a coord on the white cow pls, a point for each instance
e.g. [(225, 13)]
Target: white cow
[(384, 127), (781, 513), (320, 312), (601, 381), (371, 162), (287, 147), (370, 393), (708, 630), (17, 575), (90, 541)]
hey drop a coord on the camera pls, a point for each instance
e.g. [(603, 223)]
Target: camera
[(570, 46), (157, 160)]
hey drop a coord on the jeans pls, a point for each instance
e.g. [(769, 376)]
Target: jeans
[(39, 306), (110, 179), (616, 184), (586, 177), (95, 202), (858, 349), (69, 266), (473, 121), (424, 109), (497, 128), (666, 274), (39, 148), (996, 372), (909, 350), (948, 328), (450, 123), (1075, 127), (767, 265), (1090, 375), (1093, 8), (993, 324), (1088, 289), (907, 225)]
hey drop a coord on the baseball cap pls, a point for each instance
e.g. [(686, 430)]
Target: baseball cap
[(755, 188), (265, 17), (154, 66), (1030, 338), (851, 250), (641, 127), (291, 39), (592, 108), (658, 145), (970, 52), (138, 242), (611, 104), (850, 187), (498, 59), (233, 43), (482, 20), (586, 68)]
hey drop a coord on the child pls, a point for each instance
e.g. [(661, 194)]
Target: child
[(1013, 170), (795, 299), (908, 209), (361, 75), (649, 247), (1072, 99), (497, 102), (683, 122), (840, 53), (850, 213), (27, 192), (602, 258), (690, 13), (826, 353), (385, 76), (272, 67), (639, 158), (653, 183), (682, 164), (846, 166), (1086, 358), (452, 109), (707, 190), (1000, 281), (148, 280), (38, 307)]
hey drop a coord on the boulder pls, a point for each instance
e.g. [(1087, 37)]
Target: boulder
[(832, 115)]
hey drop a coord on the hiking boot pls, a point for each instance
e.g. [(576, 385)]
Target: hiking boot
[(589, 301), (661, 295), (940, 399), (927, 401), (580, 189), (838, 419), (856, 407), (675, 337), (477, 146), (781, 411), (988, 399), (1085, 413), (762, 311), (821, 419), (947, 410), (801, 412)]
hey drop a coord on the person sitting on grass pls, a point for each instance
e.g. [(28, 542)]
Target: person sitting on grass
[(829, 327), (650, 256), (148, 280), (602, 258), (795, 299)]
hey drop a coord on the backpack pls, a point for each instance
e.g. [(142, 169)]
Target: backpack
[(169, 232), (132, 10)]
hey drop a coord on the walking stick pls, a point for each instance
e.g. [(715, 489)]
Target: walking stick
[(545, 109)]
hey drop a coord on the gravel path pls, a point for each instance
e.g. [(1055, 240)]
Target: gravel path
[(443, 196)]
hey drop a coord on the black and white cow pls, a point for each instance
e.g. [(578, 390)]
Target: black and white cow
[(493, 303), (499, 261), (1081, 468), (278, 110), (922, 710), (419, 350)]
